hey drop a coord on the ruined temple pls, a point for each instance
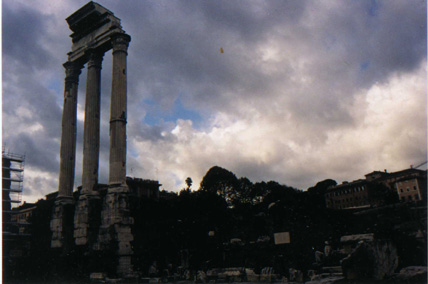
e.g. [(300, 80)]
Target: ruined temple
[(99, 218)]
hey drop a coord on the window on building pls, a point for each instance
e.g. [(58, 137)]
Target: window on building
[(409, 197), (408, 189), (416, 197), (414, 187), (401, 189)]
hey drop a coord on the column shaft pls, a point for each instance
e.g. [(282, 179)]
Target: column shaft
[(91, 134), (117, 162), (68, 134)]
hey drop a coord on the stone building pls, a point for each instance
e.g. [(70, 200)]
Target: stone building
[(408, 184), (349, 195), (22, 217), (412, 188), (144, 188)]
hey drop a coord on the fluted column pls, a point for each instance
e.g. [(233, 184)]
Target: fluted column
[(68, 134), (91, 134), (117, 162)]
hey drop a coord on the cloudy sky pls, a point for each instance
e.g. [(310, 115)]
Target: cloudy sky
[(303, 90)]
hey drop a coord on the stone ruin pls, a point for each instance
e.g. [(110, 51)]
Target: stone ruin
[(95, 222)]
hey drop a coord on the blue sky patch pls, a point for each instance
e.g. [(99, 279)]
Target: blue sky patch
[(374, 8), (365, 65), (156, 114)]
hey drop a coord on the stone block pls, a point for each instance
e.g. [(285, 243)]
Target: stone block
[(97, 276), (374, 260), (123, 229), (80, 232), (124, 249), (81, 241), (56, 244), (124, 266), (125, 237)]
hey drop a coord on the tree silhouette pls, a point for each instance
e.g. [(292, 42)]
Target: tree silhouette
[(222, 182), (188, 183)]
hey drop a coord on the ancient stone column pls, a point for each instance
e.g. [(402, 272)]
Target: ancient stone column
[(68, 134), (86, 217), (91, 134), (117, 163)]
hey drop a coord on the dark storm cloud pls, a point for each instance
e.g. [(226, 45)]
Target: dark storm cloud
[(151, 133), (179, 52), (22, 88), (40, 153), (23, 33), (30, 112), (394, 39)]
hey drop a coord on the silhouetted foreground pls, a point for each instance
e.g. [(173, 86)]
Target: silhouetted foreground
[(226, 232)]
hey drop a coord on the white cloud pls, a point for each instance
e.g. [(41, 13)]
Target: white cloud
[(387, 133), (38, 183)]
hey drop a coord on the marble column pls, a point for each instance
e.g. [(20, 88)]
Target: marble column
[(68, 134), (91, 133), (117, 162)]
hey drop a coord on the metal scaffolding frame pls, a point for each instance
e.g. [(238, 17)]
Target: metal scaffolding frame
[(12, 187)]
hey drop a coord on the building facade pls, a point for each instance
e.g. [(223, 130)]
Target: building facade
[(349, 195), (411, 188), (22, 217), (409, 185)]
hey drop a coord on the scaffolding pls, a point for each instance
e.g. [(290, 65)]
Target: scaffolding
[(12, 187), (13, 176)]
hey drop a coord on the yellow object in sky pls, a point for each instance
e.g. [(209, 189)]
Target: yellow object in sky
[(221, 49)]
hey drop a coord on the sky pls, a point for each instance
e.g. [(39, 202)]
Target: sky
[(303, 90)]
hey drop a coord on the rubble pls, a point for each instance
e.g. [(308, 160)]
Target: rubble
[(371, 260), (410, 274)]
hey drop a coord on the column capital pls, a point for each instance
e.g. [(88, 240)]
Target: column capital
[(120, 42), (95, 58), (72, 71)]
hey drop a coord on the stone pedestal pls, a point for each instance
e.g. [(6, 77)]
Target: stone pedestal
[(116, 230), (62, 225), (87, 220)]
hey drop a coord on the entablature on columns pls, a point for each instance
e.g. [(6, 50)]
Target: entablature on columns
[(94, 28)]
